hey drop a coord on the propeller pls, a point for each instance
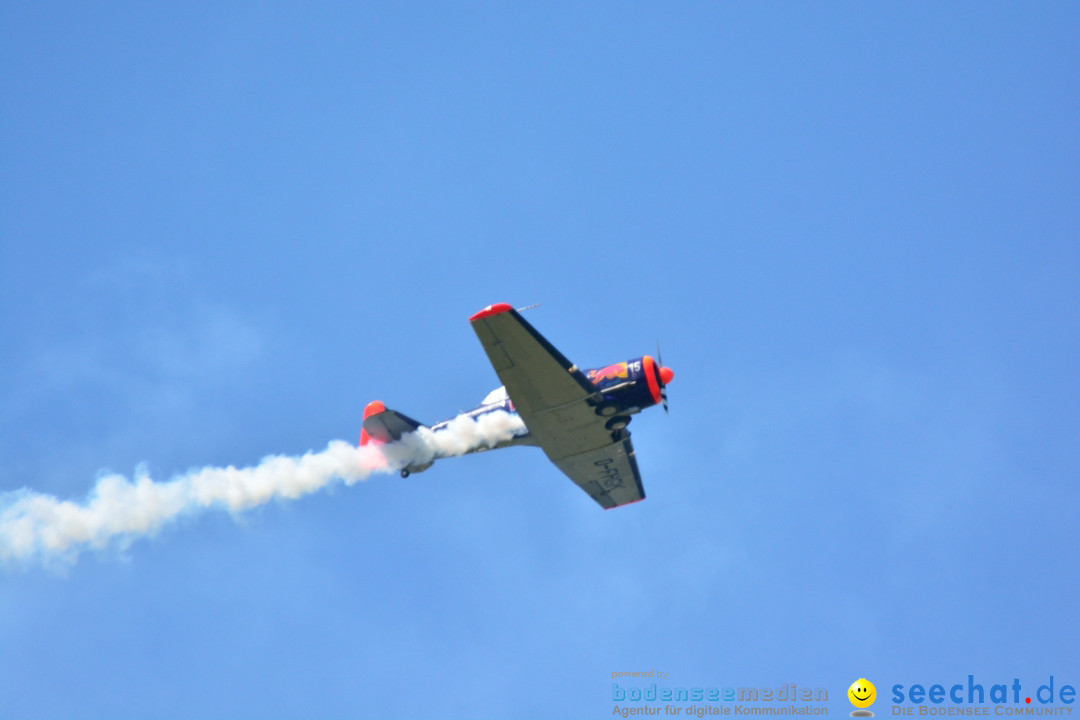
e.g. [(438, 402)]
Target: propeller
[(663, 374)]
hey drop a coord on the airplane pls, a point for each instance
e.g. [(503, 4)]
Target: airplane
[(577, 417)]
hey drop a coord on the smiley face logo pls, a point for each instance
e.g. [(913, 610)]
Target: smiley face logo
[(862, 693)]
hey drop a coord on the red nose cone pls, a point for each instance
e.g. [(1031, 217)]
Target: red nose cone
[(667, 375)]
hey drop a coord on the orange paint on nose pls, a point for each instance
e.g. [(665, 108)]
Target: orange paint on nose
[(667, 375)]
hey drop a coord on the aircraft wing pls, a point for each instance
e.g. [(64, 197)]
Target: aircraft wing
[(552, 397), (609, 473)]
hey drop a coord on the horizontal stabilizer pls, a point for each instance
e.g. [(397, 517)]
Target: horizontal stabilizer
[(384, 426)]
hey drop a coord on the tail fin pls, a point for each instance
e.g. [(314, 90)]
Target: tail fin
[(382, 426), (373, 408)]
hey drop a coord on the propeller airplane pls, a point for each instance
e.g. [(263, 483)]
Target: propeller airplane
[(578, 417)]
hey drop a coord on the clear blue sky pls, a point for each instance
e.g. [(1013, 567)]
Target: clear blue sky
[(854, 228)]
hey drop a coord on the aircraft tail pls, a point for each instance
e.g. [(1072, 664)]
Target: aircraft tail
[(382, 426)]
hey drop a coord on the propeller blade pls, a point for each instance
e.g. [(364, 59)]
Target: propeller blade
[(660, 372)]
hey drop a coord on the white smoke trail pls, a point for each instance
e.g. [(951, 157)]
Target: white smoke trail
[(35, 526)]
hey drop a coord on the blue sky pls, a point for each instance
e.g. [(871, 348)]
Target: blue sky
[(852, 226)]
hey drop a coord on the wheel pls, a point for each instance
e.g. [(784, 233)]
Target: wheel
[(617, 423), (405, 473), (606, 409)]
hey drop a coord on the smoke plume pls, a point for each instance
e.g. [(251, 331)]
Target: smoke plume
[(39, 527)]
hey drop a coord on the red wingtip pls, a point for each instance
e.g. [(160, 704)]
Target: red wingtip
[(373, 408), (667, 375), (491, 310)]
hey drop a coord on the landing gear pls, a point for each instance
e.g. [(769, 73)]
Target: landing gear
[(618, 422), (405, 473), (606, 409)]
